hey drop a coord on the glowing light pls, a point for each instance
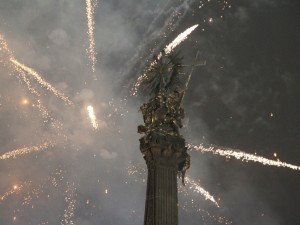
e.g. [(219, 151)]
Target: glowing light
[(90, 9), (243, 156), (180, 38), (92, 116), (197, 188), (168, 49), (13, 190), (26, 150), (25, 102), (106, 191)]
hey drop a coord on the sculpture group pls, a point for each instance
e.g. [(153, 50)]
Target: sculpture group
[(163, 114)]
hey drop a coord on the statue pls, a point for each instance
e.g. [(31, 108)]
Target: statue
[(163, 115)]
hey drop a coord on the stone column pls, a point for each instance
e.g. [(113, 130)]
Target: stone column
[(165, 155)]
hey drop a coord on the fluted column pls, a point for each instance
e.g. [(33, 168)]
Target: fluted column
[(161, 199)]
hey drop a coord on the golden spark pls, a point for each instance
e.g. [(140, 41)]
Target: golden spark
[(168, 49), (92, 116), (25, 102), (197, 188), (90, 10), (243, 156), (13, 190), (26, 150)]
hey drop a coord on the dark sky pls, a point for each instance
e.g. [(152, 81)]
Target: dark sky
[(246, 98)]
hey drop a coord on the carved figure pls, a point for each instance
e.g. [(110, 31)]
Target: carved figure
[(162, 143)]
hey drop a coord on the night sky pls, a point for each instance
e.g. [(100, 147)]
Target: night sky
[(246, 98)]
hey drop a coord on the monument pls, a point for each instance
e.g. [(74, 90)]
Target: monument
[(162, 145)]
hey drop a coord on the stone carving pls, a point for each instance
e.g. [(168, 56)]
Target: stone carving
[(162, 144)]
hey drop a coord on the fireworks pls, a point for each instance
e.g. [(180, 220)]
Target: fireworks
[(25, 102), (7, 54), (26, 150), (92, 116), (71, 201), (20, 68), (90, 9), (42, 81), (180, 38), (243, 156), (43, 110), (197, 188), (22, 77), (37, 86), (168, 49), (13, 190), (137, 170)]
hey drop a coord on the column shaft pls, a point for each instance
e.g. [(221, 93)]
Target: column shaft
[(161, 199)]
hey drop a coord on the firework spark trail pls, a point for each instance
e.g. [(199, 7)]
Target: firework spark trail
[(42, 81), (243, 156), (69, 211), (21, 74), (180, 38), (189, 205), (92, 116), (22, 77), (163, 10), (39, 105), (26, 150), (46, 115), (197, 188), (43, 110), (13, 190), (168, 49), (19, 67), (90, 9)]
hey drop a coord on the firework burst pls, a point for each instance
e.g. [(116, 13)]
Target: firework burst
[(21, 69), (197, 188), (92, 117), (90, 10), (243, 156), (168, 49), (26, 150), (15, 189)]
